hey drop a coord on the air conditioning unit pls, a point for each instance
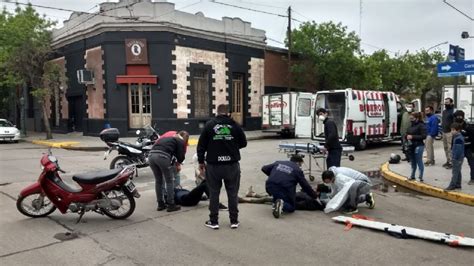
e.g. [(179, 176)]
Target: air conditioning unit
[(85, 76)]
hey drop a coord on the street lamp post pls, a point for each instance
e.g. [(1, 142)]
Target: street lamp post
[(434, 46)]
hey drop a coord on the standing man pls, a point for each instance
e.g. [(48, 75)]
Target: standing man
[(163, 156), (331, 138), (468, 132), (221, 139), (404, 125), (432, 132), (446, 121)]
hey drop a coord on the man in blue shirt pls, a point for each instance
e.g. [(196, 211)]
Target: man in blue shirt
[(432, 132)]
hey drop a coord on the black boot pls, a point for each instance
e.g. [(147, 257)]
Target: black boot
[(173, 208), (161, 206)]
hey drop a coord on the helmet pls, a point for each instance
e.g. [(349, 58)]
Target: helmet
[(394, 158)]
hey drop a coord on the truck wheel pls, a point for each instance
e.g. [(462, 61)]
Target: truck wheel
[(361, 144)]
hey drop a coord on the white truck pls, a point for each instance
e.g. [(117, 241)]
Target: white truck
[(360, 116), (288, 113), (464, 101)]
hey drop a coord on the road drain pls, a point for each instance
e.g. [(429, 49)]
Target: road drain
[(65, 236)]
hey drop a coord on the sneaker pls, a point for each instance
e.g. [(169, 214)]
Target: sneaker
[(370, 201), (277, 208), (411, 179), (173, 208), (421, 180), (445, 165), (405, 159), (471, 182), (222, 207), (234, 225), (212, 225), (459, 187), (449, 189), (350, 211), (449, 166), (161, 206)]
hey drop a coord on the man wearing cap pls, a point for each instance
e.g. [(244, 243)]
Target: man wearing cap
[(331, 138), (283, 176)]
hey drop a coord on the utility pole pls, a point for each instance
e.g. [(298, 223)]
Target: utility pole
[(289, 48)]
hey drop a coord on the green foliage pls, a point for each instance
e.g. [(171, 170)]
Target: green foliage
[(330, 55), (25, 39)]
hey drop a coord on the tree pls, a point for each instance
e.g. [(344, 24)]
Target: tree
[(329, 55), (25, 48)]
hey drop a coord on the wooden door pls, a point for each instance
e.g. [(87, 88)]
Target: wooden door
[(139, 102), (237, 99), (201, 93)]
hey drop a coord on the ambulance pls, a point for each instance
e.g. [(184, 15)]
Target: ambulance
[(361, 116), (288, 114)]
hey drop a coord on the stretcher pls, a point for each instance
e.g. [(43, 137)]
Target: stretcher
[(314, 150)]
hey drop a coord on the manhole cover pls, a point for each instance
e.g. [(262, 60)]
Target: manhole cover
[(65, 236)]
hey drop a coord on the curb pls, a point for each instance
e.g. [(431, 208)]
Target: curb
[(52, 144), (437, 192)]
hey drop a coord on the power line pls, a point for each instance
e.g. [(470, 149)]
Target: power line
[(264, 5), (377, 47), (250, 9), (301, 15), (466, 15), (273, 40)]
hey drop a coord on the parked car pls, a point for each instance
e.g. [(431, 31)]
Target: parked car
[(8, 131)]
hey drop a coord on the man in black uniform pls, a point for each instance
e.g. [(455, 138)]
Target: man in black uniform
[(221, 139), (468, 133), (331, 137), (283, 176), (162, 162)]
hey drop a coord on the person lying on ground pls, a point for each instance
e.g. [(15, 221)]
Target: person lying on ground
[(283, 176), (188, 198), (348, 188)]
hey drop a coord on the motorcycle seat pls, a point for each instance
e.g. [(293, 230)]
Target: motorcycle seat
[(138, 147), (96, 176)]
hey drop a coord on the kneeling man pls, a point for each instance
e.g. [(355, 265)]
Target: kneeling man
[(348, 188), (283, 176)]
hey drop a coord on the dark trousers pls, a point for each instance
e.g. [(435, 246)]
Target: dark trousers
[(470, 161), (162, 170), (230, 174), (191, 198), (287, 194), (334, 158), (304, 202)]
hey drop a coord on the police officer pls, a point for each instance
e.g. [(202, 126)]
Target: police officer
[(219, 146), (331, 137)]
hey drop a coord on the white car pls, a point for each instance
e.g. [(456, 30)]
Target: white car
[(8, 132)]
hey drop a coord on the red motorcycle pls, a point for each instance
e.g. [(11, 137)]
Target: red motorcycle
[(109, 192)]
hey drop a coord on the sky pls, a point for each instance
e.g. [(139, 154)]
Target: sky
[(394, 25)]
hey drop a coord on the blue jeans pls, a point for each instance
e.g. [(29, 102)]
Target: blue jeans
[(416, 158), (456, 179)]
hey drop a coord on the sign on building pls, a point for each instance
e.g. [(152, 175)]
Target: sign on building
[(136, 51)]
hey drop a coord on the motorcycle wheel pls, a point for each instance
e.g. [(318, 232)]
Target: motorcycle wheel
[(119, 162), (29, 205), (127, 204)]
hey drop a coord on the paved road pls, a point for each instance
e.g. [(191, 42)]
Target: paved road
[(150, 237)]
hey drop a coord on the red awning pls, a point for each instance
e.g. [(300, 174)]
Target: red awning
[(127, 79)]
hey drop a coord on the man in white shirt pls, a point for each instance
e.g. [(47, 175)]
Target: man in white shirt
[(348, 188)]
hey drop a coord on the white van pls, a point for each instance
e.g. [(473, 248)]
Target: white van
[(288, 113), (464, 102), (360, 116)]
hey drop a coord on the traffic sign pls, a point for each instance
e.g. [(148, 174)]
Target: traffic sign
[(460, 54), (453, 69)]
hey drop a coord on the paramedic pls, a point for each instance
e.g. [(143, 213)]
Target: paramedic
[(331, 137), (283, 176), (358, 192)]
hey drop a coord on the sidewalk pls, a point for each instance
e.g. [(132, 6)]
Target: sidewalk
[(76, 141), (436, 178)]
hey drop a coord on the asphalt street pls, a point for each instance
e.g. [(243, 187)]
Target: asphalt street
[(151, 237)]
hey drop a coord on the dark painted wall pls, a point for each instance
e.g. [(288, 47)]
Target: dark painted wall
[(160, 45)]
